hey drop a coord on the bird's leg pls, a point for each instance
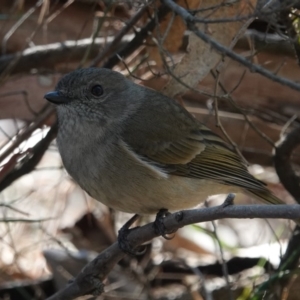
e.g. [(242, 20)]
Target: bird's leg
[(123, 240), (159, 226)]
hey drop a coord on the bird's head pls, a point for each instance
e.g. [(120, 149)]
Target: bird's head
[(95, 95)]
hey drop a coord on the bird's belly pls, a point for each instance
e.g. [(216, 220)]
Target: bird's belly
[(148, 197)]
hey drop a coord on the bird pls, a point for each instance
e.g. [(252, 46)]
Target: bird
[(138, 151)]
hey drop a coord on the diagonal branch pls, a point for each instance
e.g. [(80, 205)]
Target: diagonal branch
[(29, 162), (191, 25), (162, 11)]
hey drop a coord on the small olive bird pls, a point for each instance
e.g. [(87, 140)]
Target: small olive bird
[(138, 151)]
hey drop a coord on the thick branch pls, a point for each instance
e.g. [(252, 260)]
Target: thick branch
[(47, 56), (89, 280), (291, 182)]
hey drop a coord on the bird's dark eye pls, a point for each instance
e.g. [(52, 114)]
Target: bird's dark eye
[(97, 90)]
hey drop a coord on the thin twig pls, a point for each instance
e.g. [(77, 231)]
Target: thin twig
[(219, 123), (138, 39), (229, 97), (112, 46)]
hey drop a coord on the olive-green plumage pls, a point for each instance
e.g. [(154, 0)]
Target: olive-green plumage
[(138, 151)]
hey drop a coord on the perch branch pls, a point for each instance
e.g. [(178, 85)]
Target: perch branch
[(89, 280)]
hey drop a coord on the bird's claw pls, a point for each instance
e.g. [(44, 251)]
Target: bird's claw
[(123, 242), (159, 225)]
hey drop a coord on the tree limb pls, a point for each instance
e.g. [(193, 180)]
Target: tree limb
[(291, 182), (89, 280), (47, 56)]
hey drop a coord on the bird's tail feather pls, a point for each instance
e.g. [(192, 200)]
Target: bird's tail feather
[(266, 196)]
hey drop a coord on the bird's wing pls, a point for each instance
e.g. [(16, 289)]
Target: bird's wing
[(187, 146), (176, 141), (220, 164)]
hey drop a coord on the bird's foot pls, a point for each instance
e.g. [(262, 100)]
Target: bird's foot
[(123, 242), (159, 225)]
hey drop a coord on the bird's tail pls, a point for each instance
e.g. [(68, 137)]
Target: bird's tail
[(266, 196)]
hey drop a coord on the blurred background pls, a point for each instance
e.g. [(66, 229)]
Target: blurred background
[(50, 228)]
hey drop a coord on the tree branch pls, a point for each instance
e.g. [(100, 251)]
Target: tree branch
[(117, 39), (286, 174), (291, 182), (48, 56), (138, 39), (89, 280), (29, 162), (190, 22)]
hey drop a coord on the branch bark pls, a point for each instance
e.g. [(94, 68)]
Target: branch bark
[(89, 280)]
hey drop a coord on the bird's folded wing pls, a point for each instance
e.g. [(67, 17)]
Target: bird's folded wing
[(175, 141), (221, 165), (188, 147)]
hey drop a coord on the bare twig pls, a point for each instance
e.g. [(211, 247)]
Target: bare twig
[(117, 39), (229, 97), (218, 121), (18, 24)]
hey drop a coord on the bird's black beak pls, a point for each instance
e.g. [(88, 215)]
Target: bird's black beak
[(56, 98)]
